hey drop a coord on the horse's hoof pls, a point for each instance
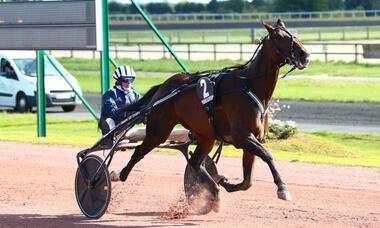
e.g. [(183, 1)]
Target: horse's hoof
[(284, 195), (115, 176)]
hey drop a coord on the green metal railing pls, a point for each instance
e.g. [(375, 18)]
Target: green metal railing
[(41, 98), (105, 83), (63, 74)]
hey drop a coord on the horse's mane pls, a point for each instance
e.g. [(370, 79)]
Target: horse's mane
[(230, 68)]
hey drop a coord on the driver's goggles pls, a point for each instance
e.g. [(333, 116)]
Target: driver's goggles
[(127, 79)]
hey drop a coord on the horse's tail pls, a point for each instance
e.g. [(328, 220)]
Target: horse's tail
[(144, 100)]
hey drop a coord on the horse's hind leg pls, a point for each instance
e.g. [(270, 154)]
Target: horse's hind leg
[(248, 160), (204, 146), (156, 133)]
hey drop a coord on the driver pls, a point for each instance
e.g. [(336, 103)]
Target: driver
[(8, 68), (117, 98)]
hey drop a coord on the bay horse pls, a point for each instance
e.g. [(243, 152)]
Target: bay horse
[(237, 119)]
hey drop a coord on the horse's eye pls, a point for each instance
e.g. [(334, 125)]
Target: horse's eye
[(276, 35), (279, 35)]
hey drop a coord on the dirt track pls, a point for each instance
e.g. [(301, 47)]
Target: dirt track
[(37, 190)]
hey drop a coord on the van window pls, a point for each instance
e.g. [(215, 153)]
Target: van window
[(6, 69), (28, 67)]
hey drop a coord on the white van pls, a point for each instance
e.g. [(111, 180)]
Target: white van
[(18, 79)]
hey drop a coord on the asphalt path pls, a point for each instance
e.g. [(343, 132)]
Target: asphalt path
[(308, 116)]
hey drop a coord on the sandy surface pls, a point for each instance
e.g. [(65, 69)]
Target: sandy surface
[(37, 190)]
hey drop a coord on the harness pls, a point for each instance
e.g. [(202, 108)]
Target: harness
[(217, 77), (210, 102)]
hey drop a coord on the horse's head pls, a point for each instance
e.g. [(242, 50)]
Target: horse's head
[(286, 47)]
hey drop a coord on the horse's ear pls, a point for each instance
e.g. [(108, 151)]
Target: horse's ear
[(280, 23), (268, 27)]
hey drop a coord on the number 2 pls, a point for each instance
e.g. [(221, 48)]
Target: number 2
[(204, 85)]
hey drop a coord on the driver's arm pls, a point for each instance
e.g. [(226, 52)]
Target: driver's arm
[(110, 107)]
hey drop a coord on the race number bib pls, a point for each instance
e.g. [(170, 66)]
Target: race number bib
[(205, 90)]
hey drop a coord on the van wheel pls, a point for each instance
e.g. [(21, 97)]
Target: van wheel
[(68, 108), (21, 103)]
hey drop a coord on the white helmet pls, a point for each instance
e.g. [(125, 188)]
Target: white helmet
[(123, 71)]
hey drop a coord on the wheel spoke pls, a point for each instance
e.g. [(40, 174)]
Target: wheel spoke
[(84, 173), (82, 194), (100, 179), (99, 198)]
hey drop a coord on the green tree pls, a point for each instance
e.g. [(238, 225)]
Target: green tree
[(371, 4), (237, 6), (115, 7), (213, 6), (352, 4), (320, 5), (336, 4), (300, 5), (158, 8), (189, 7), (288, 5), (119, 8), (259, 3)]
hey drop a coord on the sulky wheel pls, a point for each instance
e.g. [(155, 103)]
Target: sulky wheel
[(93, 193), (199, 197)]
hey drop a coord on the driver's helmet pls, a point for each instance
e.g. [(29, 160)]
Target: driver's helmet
[(124, 71)]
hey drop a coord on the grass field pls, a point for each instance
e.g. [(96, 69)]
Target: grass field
[(296, 89), (323, 147), (328, 90), (166, 65), (300, 89)]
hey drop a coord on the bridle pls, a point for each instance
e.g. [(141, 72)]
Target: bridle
[(291, 60), (287, 59)]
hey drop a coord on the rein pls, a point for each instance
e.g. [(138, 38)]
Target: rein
[(287, 59)]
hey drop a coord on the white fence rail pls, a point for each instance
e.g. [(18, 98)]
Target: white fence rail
[(248, 35), (323, 51), (246, 16)]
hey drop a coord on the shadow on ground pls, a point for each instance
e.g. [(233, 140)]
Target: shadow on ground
[(77, 220)]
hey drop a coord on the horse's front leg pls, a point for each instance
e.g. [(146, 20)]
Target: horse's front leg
[(252, 145), (248, 160)]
